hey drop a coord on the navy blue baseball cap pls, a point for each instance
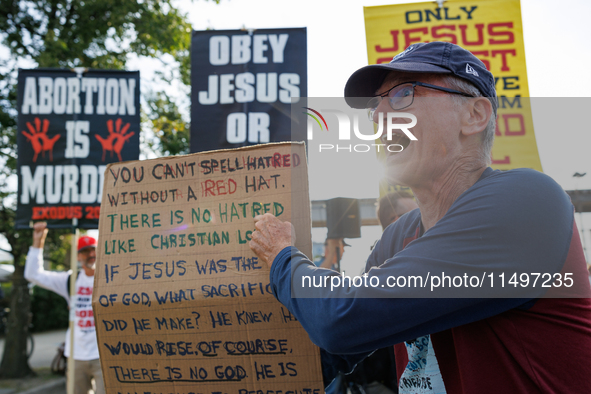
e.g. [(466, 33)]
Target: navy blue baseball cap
[(431, 57)]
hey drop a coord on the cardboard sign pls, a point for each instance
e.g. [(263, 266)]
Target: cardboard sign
[(243, 83), (181, 304), (69, 128)]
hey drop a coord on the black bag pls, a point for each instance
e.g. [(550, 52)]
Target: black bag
[(380, 367)]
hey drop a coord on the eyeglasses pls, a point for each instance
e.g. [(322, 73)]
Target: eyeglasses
[(402, 96)]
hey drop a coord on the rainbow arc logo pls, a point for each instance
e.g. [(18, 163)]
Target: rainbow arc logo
[(315, 118)]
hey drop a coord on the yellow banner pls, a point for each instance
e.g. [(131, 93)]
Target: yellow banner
[(492, 31)]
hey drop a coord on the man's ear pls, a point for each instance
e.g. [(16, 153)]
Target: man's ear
[(478, 112)]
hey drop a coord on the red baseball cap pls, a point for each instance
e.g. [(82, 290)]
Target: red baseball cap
[(85, 242)]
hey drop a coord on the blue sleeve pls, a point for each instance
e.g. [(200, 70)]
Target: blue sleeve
[(519, 220)]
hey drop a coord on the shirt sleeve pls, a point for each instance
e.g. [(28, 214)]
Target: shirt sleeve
[(50, 280), (510, 222)]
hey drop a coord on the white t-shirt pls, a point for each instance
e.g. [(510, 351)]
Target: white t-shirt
[(422, 374), (85, 344)]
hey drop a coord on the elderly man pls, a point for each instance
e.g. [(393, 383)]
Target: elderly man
[(471, 219)]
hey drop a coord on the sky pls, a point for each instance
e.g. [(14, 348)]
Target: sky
[(558, 56)]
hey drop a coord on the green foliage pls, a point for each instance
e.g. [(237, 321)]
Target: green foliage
[(168, 123), (99, 34), (6, 288), (50, 311), (92, 33)]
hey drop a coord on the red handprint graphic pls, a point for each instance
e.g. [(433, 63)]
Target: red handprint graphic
[(116, 139), (39, 139), (107, 143)]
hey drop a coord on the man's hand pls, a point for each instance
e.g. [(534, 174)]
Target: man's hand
[(39, 233), (271, 237)]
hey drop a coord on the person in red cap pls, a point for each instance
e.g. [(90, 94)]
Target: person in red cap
[(85, 351)]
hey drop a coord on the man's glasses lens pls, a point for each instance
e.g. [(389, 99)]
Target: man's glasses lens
[(372, 105), (399, 97), (402, 96)]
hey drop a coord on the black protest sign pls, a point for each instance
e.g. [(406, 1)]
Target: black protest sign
[(242, 84), (70, 126)]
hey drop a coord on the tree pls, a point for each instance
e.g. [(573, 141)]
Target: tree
[(172, 131), (100, 34)]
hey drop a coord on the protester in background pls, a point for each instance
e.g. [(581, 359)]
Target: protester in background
[(377, 373), (393, 205), (334, 248), (472, 219), (86, 354)]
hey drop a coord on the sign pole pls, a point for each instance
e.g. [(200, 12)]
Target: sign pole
[(73, 277)]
